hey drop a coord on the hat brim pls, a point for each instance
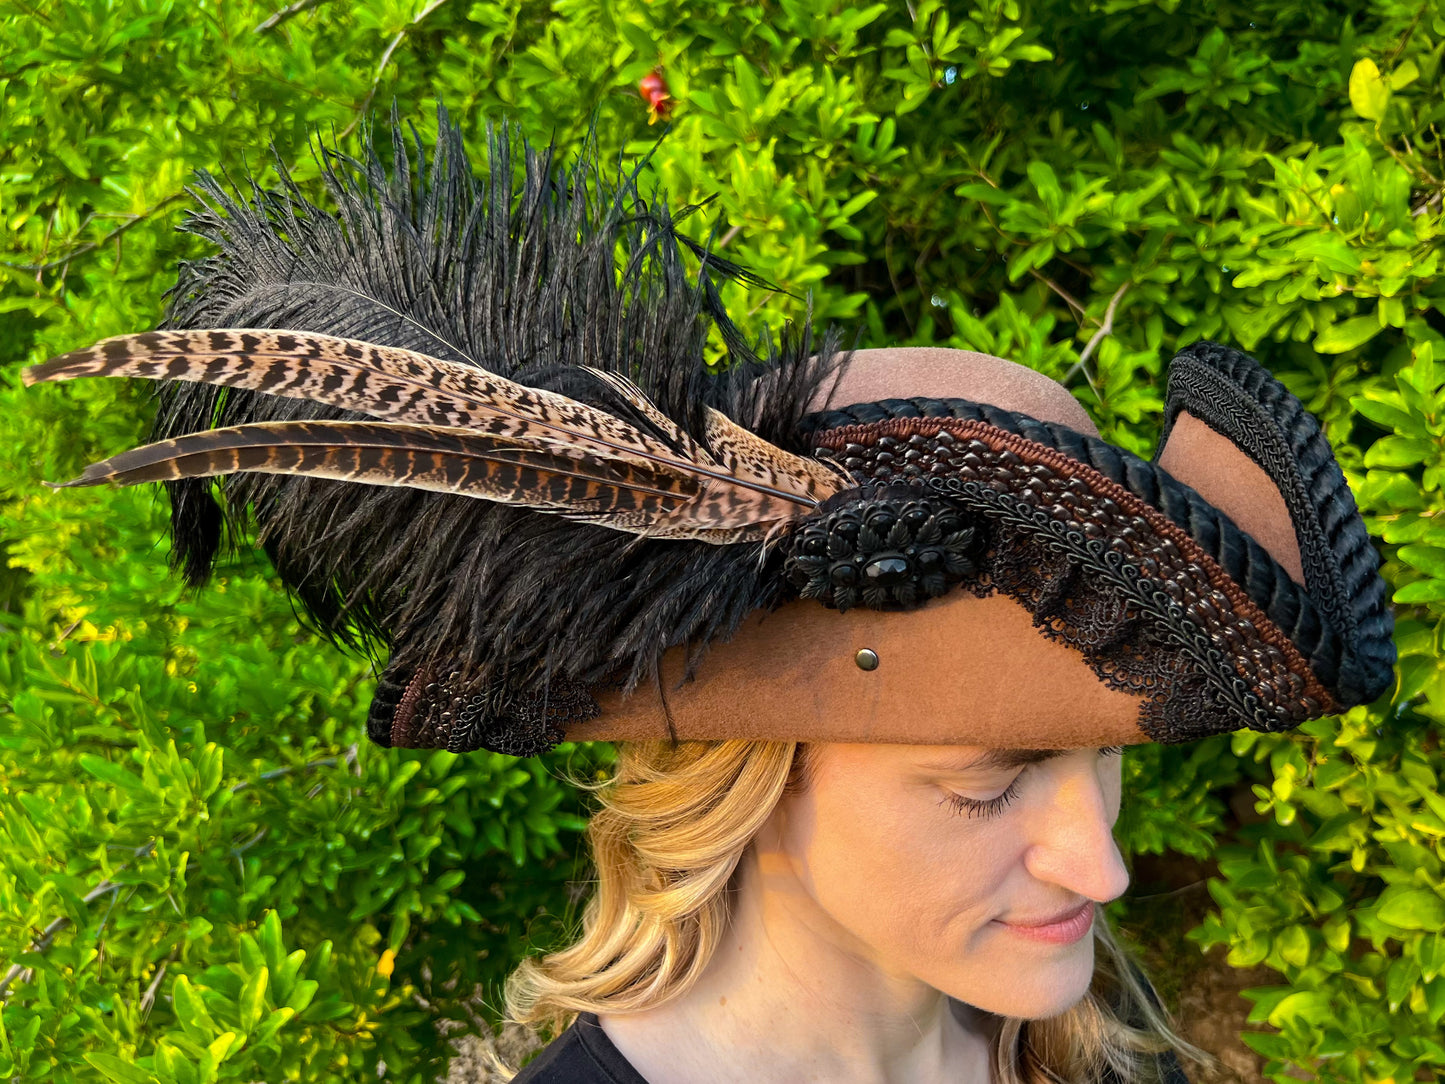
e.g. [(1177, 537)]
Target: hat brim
[(960, 669)]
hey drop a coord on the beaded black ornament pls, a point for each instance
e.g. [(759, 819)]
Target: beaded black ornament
[(886, 547)]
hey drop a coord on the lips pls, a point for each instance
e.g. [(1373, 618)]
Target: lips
[(1063, 928)]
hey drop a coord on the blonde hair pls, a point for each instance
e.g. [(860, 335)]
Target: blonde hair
[(675, 820)]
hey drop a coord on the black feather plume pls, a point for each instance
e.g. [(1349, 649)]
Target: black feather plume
[(534, 281)]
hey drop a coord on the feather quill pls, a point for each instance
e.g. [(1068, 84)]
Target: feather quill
[(462, 430)]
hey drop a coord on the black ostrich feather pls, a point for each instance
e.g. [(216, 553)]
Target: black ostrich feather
[(534, 282)]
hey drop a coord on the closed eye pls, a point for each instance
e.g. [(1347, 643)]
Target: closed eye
[(982, 807)]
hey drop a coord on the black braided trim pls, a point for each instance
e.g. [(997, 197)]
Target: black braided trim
[(1287, 604), (1234, 395), (384, 701)]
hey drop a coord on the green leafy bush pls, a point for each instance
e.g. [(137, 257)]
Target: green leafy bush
[(205, 871)]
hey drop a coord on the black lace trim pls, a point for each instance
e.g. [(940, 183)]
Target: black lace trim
[(450, 713), (1356, 669)]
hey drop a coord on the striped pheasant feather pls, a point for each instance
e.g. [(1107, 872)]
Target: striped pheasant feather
[(458, 429)]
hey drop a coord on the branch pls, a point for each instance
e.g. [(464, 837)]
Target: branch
[(1069, 299), (1104, 329), (149, 997), (1190, 887), (286, 14), (91, 246), (385, 60), (276, 773), (47, 935), (893, 278)]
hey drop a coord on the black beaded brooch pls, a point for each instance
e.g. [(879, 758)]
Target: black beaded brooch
[(884, 546)]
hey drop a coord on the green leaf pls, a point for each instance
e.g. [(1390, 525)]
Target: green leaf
[(252, 1002), (273, 1023), (1348, 334), (1405, 74), (110, 772), (1431, 956), (1421, 591), (1046, 183), (123, 1072), (1250, 951), (1400, 452), (191, 1010), (1412, 908), (1293, 945), (224, 1046), (1314, 1007), (1400, 978), (1387, 410), (271, 941), (1368, 92), (1425, 558)]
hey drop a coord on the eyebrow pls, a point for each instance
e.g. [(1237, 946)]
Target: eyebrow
[(996, 759)]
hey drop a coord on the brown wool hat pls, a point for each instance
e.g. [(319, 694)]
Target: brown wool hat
[(464, 440)]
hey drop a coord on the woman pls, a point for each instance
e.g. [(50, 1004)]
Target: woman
[(867, 625), (767, 911)]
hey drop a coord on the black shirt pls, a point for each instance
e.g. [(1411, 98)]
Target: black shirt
[(583, 1054)]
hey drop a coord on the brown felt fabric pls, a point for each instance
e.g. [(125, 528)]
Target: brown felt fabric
[(910, 372), (1236, 485), (959, 670)]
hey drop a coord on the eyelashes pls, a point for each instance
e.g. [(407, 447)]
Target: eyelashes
[(991, 807)]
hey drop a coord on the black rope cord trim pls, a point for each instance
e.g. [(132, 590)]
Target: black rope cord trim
[(1148, 612), (1238, 398)]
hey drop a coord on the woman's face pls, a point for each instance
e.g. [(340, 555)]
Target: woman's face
[(974, 872)]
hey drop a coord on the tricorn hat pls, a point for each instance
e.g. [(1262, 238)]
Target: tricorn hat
[(477, 428)]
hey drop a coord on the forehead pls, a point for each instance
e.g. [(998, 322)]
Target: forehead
[(936, 373)]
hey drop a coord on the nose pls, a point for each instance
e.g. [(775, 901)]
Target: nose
[(1071, 841)]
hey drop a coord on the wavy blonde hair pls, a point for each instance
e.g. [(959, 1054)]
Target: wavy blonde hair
[(675, 820)]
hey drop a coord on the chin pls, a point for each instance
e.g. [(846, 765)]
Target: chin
[(1035, 985)]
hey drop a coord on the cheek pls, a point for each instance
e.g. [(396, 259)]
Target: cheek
[(901, 882), (902, 875)]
